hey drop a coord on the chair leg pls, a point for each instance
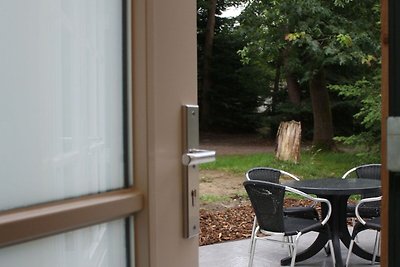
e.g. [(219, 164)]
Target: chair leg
[(349, 253), (253, 232), (252, 247), (379, 244), (376, 246), (290, 240), (327, 250), (296, 241), (286, 239), (332, 251)]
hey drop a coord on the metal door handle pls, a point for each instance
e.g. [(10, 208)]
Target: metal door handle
[(197, 156), (191, 157)]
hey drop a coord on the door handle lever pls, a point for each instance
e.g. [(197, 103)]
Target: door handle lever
[(198, 156)]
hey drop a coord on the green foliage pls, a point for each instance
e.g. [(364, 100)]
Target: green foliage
[(344, 39), (313, 164), (237, 89), (366, 92), (342, 3), (313, 34)]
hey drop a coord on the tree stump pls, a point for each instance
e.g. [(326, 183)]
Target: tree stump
[(288, 141)]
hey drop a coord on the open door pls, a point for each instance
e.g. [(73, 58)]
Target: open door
[(91, 132)]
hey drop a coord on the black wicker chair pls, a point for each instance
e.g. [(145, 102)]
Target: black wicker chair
[(274, 175), (362, 224), (367, 171), (267, 200)]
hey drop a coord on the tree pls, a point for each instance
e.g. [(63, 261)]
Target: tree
[(317, 39), (229, 92)]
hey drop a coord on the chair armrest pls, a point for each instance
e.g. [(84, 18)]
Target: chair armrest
[(290, 175), (361, 202), (348, 172), (315, 199)]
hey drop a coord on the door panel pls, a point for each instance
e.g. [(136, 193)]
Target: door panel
[(64, 134), (101, 245), (61, 115)]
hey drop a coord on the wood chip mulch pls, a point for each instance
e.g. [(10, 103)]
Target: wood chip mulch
[(231, 223), (228, 224), (224, 225)]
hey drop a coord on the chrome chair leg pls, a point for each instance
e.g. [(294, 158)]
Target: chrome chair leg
[(332, 252), (291, 248), (376, 246), (349, 253), (252, 250), (252, 233), (295, 243)]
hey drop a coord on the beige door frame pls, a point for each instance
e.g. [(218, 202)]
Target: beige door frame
[(164, 78)]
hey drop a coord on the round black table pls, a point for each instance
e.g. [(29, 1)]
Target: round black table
[(337, 191)]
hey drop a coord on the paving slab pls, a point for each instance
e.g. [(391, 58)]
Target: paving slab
[(269, 254)]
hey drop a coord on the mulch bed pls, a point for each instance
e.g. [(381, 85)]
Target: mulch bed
[(230, 223), (224, 225)]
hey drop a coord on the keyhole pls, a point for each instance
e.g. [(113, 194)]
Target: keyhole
[(194, 195)]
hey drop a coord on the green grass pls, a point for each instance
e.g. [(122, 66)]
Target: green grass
[(311, 165), (207, 198)]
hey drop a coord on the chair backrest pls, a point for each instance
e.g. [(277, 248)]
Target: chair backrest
[(369, 171), (264, 174), (366, 171), (267, 199), (267, 174)]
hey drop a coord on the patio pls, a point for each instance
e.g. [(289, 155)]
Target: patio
[(268, 254)]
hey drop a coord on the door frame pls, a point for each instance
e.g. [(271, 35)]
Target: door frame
[(164, 77)]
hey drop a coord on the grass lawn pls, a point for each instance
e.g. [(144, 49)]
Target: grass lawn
[(311, 165)]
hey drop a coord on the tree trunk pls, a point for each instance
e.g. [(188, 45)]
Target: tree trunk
[(277, 80), (323, 125), (293, 89), (208, 47), (291, 81), (288, 141)]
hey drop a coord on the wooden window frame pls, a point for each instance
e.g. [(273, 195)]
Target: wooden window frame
[(25, 224)]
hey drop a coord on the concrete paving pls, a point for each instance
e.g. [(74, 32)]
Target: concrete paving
[(269, 254)]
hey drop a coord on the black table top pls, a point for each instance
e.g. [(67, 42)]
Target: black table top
[(336, 186)]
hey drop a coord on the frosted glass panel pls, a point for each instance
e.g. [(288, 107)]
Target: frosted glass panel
[(97, 246), (61, 118)]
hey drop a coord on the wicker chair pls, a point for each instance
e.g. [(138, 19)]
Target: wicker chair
[(362, 224), (366, 171), (267, 200), (274, 175)]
